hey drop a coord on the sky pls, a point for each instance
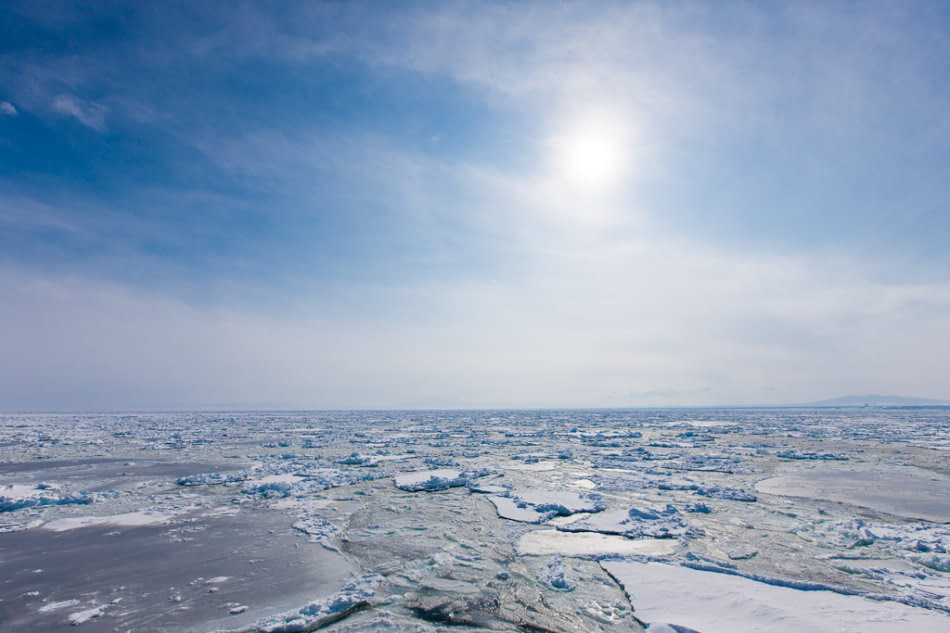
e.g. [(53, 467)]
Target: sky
[(324, 205)]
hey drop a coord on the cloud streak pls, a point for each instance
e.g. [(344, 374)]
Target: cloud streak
[(90, 114)]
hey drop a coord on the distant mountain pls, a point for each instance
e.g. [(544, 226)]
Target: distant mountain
[(872, 400)]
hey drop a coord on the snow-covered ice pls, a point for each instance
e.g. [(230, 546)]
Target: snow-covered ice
[(634, 523), (544, 542), (438, 479), (538, 506), (715, 603), (909, 492), (128, 519), (352, 596)]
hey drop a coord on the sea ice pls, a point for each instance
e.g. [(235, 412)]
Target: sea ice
[(910, 492), (555, 576), (255, 513), (85, 615), (19, 496), (544, 542), (141, 518), (727, 604), (438, 479), (319, 613), (538, 506), (634, 523)]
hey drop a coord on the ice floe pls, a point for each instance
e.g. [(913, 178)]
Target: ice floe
[(438, 479), (18, 496), (593, 544), (538, 506), (354, 595), (711, 603), (634, 523), (141, 518)]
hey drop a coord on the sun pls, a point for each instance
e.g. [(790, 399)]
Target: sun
[(591, 153), (591, 160)]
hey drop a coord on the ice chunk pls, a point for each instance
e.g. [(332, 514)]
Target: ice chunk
[(938, 562), (304, 480), (555, 576), (438, 479), (54, 606), (634, 523), (742, 552), (320, 530), (711, 463), (537, 506), (508, 508), (559, 503), (489, 489), (86, 614), (810, 455), (272, 485), (354, 595), (19, 496), (213, 479), (731, 494)]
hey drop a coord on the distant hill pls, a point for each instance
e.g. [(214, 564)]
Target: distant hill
[(872, 400)]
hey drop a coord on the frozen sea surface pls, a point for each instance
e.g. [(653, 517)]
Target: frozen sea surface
[(910, 493), (559, 521)]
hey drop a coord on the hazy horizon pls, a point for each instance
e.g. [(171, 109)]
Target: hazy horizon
[(361, 206), (901, 402)]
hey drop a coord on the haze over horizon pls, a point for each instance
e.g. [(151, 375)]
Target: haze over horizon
[(336, 206)]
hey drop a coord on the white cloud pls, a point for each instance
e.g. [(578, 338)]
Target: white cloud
[(617, 327), (7, 109), (89, 113)]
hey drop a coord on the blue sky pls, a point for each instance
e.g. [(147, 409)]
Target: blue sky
[(472, 204)]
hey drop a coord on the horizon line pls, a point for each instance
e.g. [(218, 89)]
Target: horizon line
[(935, 405)]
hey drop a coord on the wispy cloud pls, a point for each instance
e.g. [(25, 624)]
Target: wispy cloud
[(7, 109), (89, 113)]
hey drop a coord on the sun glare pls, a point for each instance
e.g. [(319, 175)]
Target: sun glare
[(591, 155)]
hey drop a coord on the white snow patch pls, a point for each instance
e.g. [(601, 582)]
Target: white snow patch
[(719, 603), (544, 542), (141, 518), (88, 614), (54, 606)]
